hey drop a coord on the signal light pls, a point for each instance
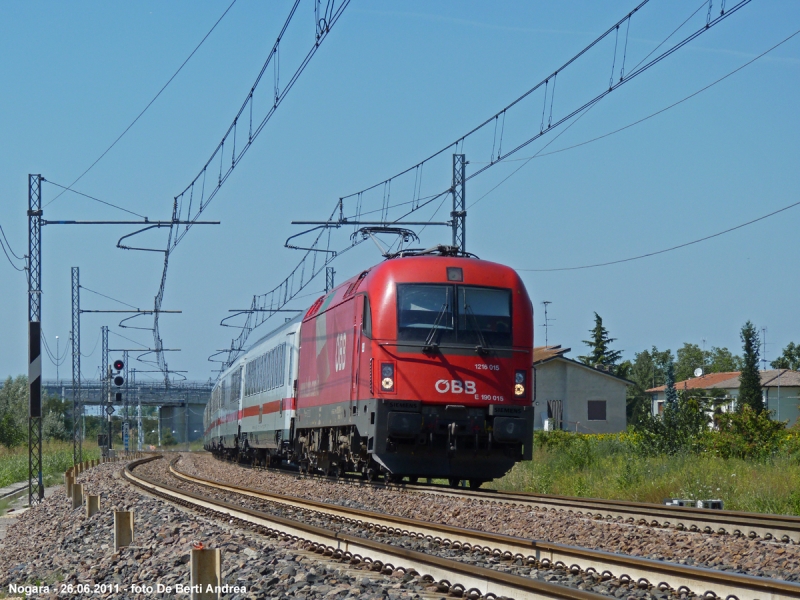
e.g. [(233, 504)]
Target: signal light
[(118, 379)]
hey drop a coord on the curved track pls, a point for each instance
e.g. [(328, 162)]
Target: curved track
[(464, 578), (664, 575), (782, 528)]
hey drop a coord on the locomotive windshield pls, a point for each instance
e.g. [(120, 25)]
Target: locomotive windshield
[(441, 314)]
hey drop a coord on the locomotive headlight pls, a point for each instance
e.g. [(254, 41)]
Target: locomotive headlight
[(519, 383), (387, 377)]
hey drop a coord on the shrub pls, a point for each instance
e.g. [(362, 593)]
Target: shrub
[(747, 434)]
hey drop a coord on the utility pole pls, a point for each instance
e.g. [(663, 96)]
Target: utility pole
[(77, 404), (459, 213), (105, 373), (763, 348), (546, 322), (186, 422), (125, 424), (329, 273), (139, 431), (35, 483)]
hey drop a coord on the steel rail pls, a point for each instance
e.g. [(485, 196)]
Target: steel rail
[(660, 574), (783, 528), (487, 582)]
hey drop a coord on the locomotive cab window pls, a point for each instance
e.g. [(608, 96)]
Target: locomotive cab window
[(423, 310), (484, 316), (442, 314)]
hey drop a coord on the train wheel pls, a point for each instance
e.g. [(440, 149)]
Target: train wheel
[(413, 479), (370, 474), (454, 482), (474, 484)]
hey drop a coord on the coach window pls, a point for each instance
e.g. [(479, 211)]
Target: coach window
[(597, 410), (366, 318)]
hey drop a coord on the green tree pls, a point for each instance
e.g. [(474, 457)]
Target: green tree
[(670, 393), (749, 378), (14, 411), (790, 359), (600, 354), (647, 371), (690, 357), (718, 360), (722, 360)]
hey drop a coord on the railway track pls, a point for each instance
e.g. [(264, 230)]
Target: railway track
[(646, 572), (463, 579), (780, 528)]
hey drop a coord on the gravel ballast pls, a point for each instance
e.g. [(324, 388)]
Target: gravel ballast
[(158, 471), (719, 551), (53, 546)]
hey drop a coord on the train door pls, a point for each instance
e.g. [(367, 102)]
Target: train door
[(357, 341), (363, 350)]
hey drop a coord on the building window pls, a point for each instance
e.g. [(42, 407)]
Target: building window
[(597, 410)]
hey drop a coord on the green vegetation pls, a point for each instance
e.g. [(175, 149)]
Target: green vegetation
[(621, 467), (789, 359), (56, 458)]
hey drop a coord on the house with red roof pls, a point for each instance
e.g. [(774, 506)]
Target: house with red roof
[(780, 389)]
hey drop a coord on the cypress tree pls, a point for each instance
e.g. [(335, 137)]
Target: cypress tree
[(670, 393), (749, 378)]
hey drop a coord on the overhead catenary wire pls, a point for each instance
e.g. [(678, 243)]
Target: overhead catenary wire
[(83, 287), (665, 250), (11, 262), (3, 233), (144, 110), (69, 189), (651, 115), (642, 66)]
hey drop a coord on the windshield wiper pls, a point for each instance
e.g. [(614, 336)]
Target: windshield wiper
[(430, 346), (482, 347)]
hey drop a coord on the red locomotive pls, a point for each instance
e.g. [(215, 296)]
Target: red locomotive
[(417, 367)]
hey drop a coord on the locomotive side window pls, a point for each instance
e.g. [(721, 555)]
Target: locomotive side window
[(484, 313), (366, 318), (425, 310)]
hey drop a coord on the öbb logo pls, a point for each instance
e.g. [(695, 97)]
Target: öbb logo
[(455, 386), (341, 352)]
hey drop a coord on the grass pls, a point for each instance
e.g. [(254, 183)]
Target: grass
[(56, 458), (605, 469)]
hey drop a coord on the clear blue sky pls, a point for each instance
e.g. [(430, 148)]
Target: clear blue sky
[(394, 82)]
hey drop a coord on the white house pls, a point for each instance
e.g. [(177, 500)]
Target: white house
[(780, 389), (575, 396)]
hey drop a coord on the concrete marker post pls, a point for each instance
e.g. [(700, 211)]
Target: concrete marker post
[(77, 496), (206, 570), (123, 529), (92, 504)]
